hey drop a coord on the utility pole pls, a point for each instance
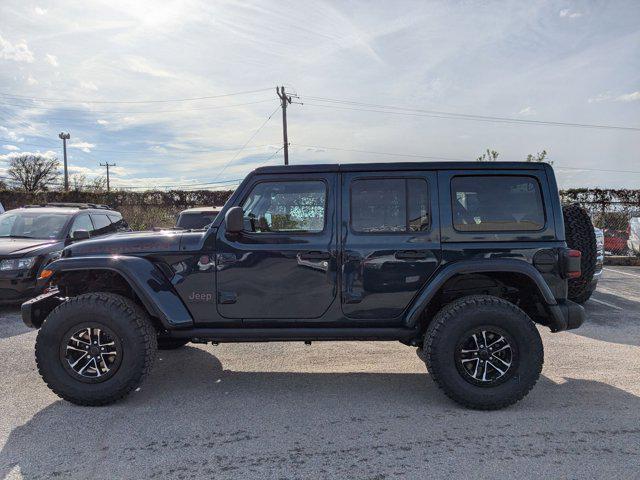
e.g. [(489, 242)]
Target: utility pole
[(65, 137), (107, 164), (284, 99)]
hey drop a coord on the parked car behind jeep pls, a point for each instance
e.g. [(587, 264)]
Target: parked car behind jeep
[(634, 236), (458, 260), (31, 237), (198, 217)]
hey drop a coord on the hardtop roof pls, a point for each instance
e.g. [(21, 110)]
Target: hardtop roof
[(399, 166)]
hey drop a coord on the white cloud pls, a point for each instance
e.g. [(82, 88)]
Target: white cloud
[(40, 11), (608, 96), (567, 13), (141, 65), (46, 153), (51, 59), (84, 146), (11, 148), (18, 52), (629, 97), (102, 122), (31, 80), (87, 85), (526, 111), (10, 134)]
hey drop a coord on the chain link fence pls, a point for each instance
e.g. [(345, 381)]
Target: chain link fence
[(616, 213)]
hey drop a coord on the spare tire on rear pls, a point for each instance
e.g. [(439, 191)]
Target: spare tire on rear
[(580, 236)]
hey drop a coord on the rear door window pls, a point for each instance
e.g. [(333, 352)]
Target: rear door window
[(102, 224), (82, 222), (497, 203), (388, 205)]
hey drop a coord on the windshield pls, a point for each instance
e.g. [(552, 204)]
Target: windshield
[(195, 220), (38, 225)]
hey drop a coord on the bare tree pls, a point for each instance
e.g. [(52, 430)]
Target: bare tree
[(488, 156), (33, 172), (79, 183), (539, 157)]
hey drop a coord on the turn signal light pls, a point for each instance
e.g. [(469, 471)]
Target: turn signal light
[(45, 274)]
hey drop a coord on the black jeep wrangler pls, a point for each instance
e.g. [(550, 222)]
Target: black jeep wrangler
[(460, 260)]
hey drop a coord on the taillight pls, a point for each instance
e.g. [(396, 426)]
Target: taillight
[(573, 269)]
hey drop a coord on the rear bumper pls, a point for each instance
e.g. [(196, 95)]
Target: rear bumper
[(567, 315)]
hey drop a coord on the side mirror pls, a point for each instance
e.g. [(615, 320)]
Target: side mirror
[(234, 220), (80, 235)]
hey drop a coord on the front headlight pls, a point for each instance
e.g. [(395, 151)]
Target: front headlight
[(17, 263)]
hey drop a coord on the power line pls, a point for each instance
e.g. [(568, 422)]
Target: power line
[(451, 159), (247, 142), (410, 155), (134, 152), (415, 112), (188, 99), (135, 112)]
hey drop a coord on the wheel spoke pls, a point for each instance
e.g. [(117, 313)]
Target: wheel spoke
[(502, 348), (500, 371), (85, 365), (79, 340), (71, 347), (496, 341), (84, 354), (95, 362), (506, 364)]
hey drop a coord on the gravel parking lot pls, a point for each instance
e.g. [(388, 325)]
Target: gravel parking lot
[(336, 410)]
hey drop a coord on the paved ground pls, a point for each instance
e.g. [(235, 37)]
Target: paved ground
[(336, 410)]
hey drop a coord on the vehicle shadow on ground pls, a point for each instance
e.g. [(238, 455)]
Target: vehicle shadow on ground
[(611, 324), (11, 322), (192, 414)]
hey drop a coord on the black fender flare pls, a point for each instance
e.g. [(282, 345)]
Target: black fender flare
[(557, 320), (147, 281)]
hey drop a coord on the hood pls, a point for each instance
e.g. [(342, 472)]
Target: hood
[(23, 246), (126, 243)]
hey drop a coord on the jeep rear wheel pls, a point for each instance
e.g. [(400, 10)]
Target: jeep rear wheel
[(483, 352), (95, 348)]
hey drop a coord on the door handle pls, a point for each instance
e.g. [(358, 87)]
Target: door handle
[(411, 254), (315, 255)]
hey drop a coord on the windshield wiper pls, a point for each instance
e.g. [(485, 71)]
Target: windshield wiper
[(20, 236)]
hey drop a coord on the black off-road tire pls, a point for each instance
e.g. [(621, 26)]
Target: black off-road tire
[(168, 343), (580, 236), (129, 323), (453, 322)]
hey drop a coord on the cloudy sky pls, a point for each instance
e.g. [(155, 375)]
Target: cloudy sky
[(126, 79)]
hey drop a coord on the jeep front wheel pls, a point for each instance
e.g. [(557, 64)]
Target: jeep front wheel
[(95, 348), (483, 352)]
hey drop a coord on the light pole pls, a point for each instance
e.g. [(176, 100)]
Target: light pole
[(65, 137)]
